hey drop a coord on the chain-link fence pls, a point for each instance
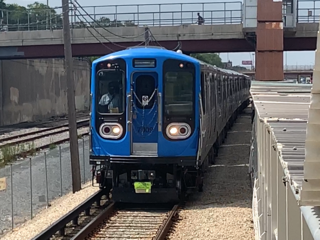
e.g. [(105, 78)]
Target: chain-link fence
[(28, 186)]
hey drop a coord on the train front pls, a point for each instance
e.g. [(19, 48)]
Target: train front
[(144, 124)]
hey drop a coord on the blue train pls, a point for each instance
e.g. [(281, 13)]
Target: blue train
[(157, 120)]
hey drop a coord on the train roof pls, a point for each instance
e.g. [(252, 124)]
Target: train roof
[(152, 51), (147, 52), (227, 71)]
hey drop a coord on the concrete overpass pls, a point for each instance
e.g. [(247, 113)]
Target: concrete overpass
[(228, 29), (194, 38)]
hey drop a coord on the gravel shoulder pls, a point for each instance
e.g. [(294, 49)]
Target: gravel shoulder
[(223, 211), (59, 183), (45, 218)]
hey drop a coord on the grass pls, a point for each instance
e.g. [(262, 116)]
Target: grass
[(52, 144), (10, 153)]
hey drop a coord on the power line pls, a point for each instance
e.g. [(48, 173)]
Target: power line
[(118, 45), (103, 26)]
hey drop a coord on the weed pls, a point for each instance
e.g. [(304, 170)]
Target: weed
[(9, 153), (52, 146)]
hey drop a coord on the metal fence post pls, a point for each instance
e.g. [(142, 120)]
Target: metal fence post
[(159, 14), (138, 14), (60, 160), (46, 173), (31, 212), (12, 222), (181, 14), (224, 12), (84, 162)]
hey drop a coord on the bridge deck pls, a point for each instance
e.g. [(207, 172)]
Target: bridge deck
[(281, 114)]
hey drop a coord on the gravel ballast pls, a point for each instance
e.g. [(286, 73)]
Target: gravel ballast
[(223, 210), (48, 216)]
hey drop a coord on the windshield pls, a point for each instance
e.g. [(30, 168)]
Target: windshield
[(178, 97), (110, 91)]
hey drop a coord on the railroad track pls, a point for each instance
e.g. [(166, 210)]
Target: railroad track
[(12, 147), (58, 121), (116, 221), (33, 135)]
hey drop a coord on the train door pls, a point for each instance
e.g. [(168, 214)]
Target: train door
[(144, 138)]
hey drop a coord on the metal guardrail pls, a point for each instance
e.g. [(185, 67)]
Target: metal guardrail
[(168, 14), (308, 11), (288, 68)]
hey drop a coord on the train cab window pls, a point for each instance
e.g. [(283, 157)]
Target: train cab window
[(110, 91), (178, 97), (145, 86)]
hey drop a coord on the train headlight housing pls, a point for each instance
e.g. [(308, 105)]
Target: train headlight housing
[(111, 130), (178, 130)]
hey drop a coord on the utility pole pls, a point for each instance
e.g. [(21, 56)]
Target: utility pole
[(74, 150)]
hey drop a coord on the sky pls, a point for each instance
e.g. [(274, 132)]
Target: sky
[(290, 58)]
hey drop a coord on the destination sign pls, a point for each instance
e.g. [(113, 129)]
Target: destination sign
[(144, 63)]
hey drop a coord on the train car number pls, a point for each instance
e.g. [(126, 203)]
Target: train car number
[(145, 129)]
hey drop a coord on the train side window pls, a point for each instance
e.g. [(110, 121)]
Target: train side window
[(212, 92), (224, 87), (208, 90), (219, 89), (203, 92)]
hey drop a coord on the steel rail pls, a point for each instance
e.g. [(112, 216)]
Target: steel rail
[(61, 223), (79, 124), (99, 220), (95, 223), (164, 230)]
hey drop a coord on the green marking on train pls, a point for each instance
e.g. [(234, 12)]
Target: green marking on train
[(142, 187)]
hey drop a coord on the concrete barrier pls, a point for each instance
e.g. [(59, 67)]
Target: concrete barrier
[(36, 89)]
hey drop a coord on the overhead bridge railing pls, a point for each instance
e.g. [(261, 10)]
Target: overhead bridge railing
[(169, 14)]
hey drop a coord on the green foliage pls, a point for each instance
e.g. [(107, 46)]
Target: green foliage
[(9, 153), (239, 68), (39, 16), (210, 58)]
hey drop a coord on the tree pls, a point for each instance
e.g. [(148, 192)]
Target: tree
[(239, 68), (39, 16), (210, 58), (36, 16)]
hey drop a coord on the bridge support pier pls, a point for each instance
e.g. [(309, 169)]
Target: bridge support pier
[(269, 48)]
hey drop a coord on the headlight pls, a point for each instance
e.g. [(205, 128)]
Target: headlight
[(178, 130), (111, 130)]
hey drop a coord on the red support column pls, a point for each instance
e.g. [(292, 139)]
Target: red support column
[(269, 48)]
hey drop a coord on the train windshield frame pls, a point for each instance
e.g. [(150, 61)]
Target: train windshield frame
[(178, 88), (110, 91)]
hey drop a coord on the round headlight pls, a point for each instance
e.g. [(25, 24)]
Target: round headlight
[(173, 130), (178, 130), (111, 130)]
